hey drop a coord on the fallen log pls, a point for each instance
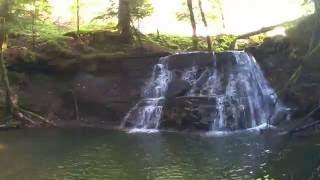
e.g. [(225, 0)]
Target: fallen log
[(260, 31), (304, 128), (264, 29), (307, 126)]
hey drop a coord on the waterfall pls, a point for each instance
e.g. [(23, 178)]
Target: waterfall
[(228, 92), (247, 100), (147, 112)]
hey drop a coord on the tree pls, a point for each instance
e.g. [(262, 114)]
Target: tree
[(204, 20), (78, 17), (3, 46), (12, 108), (317, 6), (141, 9), (193, 13), (193, 24), (315, 37), (124, 20), (216, 6), (4, 8), (34, 16)]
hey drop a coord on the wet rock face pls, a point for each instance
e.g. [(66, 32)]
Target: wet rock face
[(103, 95), (188, 60), (195, 91), (192, 113), (278, 66)]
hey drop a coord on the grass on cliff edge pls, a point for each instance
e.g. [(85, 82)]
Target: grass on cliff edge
[(57, 43)]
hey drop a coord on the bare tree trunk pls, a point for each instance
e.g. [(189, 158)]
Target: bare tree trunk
[(204, 20), (12, 109), (124, 20), (193, 24), (4, 8), (78, 17), (222, 17), (4, 73), (34, 16), (313, 41), (317, 7)]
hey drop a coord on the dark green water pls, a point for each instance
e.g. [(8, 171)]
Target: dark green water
[(106, 154)]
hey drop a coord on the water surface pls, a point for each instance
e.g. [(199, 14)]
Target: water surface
[(40, 154)]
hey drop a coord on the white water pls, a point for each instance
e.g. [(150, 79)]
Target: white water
[(146, 114), (248, 99), (244, 99)]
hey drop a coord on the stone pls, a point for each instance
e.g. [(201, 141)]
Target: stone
[(185, 61), (177, 88)]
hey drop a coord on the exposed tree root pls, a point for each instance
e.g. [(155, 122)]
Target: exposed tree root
[(304, 128), (28, 116), (307, 126), (13, 110)]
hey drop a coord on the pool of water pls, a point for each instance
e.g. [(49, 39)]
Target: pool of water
[(40, 154)]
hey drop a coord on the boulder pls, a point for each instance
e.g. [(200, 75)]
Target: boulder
[(189, 113)]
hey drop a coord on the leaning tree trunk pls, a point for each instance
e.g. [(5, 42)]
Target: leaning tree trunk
[(3, 45), (314, 41), (204, 20), (193, 24), (12, 108), (124, 20)]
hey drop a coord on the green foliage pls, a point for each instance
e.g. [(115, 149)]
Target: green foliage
[(222, 42), (181, 43), (97, 26), (183, 14), (25, 9), (23, 27), (140, 9), (171, 41)]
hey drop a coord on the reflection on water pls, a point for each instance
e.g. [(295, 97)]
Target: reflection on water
[(102, 154)]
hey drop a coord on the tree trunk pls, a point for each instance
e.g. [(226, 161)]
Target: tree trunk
[(315, 34), (34, 16), (204, 20), (124, 20), (4, 73), (4, 8), (193, 24), (317, 7), (78, 18), (222, 17)]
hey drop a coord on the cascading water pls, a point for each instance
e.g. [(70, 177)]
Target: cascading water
[(232, 83), (247, 100), (146, 114)]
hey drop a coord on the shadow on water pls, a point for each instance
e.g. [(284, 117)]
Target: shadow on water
[(100, 154)]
